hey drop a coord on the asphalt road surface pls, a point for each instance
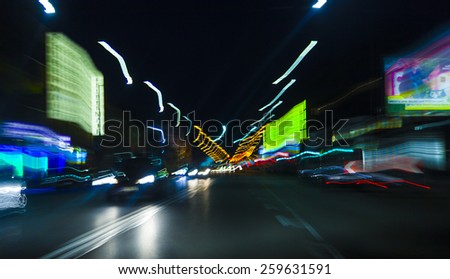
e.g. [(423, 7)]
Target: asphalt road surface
[(238, 216)]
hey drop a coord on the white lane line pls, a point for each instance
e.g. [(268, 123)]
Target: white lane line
[(289, 222), (93, 239), (333, 251)]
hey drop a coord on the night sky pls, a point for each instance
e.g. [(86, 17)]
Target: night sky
[(219, 58)]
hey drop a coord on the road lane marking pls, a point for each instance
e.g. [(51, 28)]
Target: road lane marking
[(320, 241), (91, 240), (289, 222)]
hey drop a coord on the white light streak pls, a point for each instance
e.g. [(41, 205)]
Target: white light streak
[(105, 180), (223, 133), (119, 58), (181, 172), (193, 172), (319, 4), (178, 113), (269, 113), (297, 61), (49, 9), (276, 105), (205, 172), (146, 179), (278, 96), (159, 130), (160, 101)]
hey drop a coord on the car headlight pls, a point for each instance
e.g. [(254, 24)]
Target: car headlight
[(146, 179), (193, 172), (105, 180)]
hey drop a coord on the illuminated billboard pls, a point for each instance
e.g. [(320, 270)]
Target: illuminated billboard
[(419, 85), (74, 85), (286, 132)]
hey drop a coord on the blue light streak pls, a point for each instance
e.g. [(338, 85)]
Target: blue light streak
[(278, 96), (159, 130), (223, 133), (316, 154), (190, 123), (178, 113), (241, 139)]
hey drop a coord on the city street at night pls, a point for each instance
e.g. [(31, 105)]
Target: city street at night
[(240, 216), (270, 133)]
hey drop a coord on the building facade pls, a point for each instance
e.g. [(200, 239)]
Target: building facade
[(75, 88)]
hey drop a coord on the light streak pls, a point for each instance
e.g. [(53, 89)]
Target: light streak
[(190, 124), (223, 133), (193, 172), (205, 172), (356, 89), (276, 105), (49, 9), (246, 135), (180, 172), (431, 125), (297, 61), (358, 182), (178, 113), (104, 180), (160, 101), (278, 96), (208, 146), (278, 154), (119, 58), (319, 4), (146, 179), (379, 184), (159, 130), (269, 113), (316, 154)]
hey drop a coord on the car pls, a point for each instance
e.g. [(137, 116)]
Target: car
[(134, 177), (321, 173)]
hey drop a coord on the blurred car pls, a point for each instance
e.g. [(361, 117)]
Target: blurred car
[(134, 177), (11, 194), (322, 173)]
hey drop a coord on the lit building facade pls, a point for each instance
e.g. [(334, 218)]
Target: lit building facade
[(75, 88)]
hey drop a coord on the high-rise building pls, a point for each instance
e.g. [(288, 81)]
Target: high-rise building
[(75, 90)]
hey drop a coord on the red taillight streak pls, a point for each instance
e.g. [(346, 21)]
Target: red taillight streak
[(382, 185), (359, 182), (411, 183)]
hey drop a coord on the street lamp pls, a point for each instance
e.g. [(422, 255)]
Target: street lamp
[(49, 9), (319, 4)]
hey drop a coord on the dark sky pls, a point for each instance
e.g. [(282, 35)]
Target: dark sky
[(219, 58)]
